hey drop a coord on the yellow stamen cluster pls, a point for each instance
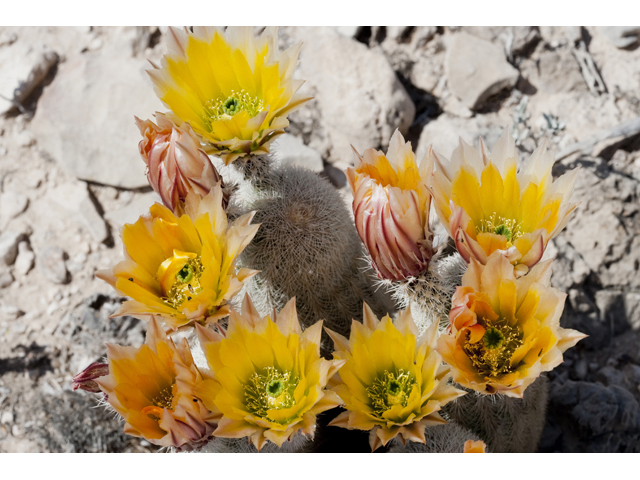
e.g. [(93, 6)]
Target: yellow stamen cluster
[(500, 225), (224, 108), (390, 389), (187, 283), (164, 399), (492, 355), (271, 390)]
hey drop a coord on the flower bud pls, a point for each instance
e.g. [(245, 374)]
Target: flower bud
[(176, 163), (391, 209), (85, 380)]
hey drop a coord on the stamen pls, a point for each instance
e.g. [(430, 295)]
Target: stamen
[(271, 390), (224, 108), (492, 355), (164, 399), (390, 389), (499, 225), (187, 283)]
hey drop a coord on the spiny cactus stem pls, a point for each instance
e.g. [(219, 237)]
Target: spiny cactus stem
[(429, 294), (255, 169)]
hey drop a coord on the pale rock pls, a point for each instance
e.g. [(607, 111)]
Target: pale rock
[(26, 258), (428, 70), (51, 263), (622, 37), (7, 38), (477, 69), (515, 40), (554, 71), (3, 150), (34, 178), (361, 101), (24, 67), (10, 312), (560, 36), (139, 205), (6, 279), (351, 32), (75, 199), (444, 132), (632, 309), (25, 138), (7, 417), (9, 240), (12, 204), (89, 129), (291, 150)]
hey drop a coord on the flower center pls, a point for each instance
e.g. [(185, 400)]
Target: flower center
[(224, 108), (492, 355), (184, 284), (507, 227), (271, 390), (163, 400), (390, 389)]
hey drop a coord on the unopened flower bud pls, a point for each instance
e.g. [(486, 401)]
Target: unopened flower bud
[(391, 209), (85, 380), (176, 162)]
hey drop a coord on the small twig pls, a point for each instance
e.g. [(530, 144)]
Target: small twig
[(589, 70)]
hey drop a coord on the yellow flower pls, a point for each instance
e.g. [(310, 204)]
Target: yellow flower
[(505, 331), (152, 388), (269, 377), (471, 446), (176, 164), (392, 383), (486, 203), (234, 89), (182, 269), (391, 209)]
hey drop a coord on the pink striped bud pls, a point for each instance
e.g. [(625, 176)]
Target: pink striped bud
[(391, 209), (85, 380), (176, 163)]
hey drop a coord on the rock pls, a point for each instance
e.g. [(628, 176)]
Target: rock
[(25, 260), (24, 67), (632, 309), (444, 132), (622, 37), (131, 212), (51, 262), (25, 138), (516, 40), (34, 178), (12, 204), (89, 129), (75, 199), (6, 279), (9, 246), (351, 32), (361, 101), (10, 312), (290, 150), (7, 417), (554, 71), (477, 69)]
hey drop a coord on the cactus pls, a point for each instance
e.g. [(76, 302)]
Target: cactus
[(506, 424), (429, 294), (298, 444), (447, 438), (306, 247)]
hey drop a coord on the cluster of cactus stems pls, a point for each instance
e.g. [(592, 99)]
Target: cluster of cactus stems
[(269, 304)]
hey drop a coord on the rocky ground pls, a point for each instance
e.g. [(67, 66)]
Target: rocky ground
[(70, 177)]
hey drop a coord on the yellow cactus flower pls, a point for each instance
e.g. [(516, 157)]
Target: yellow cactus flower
[(176, 164), (504, 330), (152, 388), (391, 209), (182, 269), (487, 203), (393, 383), (234, 89), (471, 446), (269, 379)]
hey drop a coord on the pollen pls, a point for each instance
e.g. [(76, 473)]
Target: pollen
[(390, 389), (492, 355), (508, 227), (186, 284), (270, 390), (224, 108)]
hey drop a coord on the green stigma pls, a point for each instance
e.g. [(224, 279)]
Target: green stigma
[(507, 227), (493, 338), (224, 108), (390, 389), (503, 230), (270, 390), (185, 274)]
